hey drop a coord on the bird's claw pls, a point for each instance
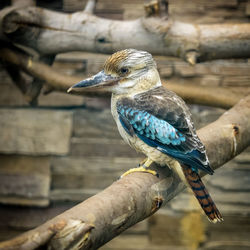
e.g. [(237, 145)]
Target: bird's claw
[(140, 169)]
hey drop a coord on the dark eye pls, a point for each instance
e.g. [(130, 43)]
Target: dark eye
[(124, 70)]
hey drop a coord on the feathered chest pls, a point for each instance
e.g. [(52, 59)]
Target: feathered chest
[(126, 136)]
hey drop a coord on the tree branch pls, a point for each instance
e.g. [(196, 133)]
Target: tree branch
[(22, 3), (133, 198), (204, 95), (90, 6), (214, 96), (50, 32)]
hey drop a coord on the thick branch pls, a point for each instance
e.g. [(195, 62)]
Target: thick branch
[(97, 220), (44, 72), (205, 95), (214, 96), (50, 32)]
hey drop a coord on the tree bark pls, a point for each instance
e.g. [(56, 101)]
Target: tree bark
[(133, 198), (90, 6), (204, 95), (49, 32)]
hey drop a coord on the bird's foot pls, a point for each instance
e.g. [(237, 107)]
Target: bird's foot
[(142, 162), (143, 167), (139, 169)]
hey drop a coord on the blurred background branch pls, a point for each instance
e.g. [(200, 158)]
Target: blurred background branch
[(50, 32), (90, 6), (204, 95)]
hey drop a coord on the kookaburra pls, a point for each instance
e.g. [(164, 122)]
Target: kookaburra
[(154, 120)]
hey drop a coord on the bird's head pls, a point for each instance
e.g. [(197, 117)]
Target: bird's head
[(127, 71)]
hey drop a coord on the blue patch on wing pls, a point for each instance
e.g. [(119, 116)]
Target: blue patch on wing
[(149, 126), (160, 134)]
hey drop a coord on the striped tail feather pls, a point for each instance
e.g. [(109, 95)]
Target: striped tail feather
[(202, 195)]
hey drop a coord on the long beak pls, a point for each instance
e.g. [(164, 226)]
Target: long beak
[(100, 79)]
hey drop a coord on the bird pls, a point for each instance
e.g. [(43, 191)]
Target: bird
[(154, 120)]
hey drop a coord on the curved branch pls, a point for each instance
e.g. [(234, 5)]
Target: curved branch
[(214, 96), (204, 95), (100, 218), (44, 72), (50, 32)]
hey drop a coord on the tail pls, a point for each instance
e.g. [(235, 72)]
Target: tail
[(202, 195)]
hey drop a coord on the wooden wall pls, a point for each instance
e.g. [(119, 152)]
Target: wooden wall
[(68, 148)]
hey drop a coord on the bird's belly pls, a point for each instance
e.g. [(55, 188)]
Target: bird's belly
[(140, 146), (152, 153)]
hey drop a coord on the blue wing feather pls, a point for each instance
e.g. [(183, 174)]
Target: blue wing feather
[(150, 126), (162, 135)]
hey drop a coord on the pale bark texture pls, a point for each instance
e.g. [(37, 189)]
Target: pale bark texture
[(205, 95), (131, 199), (50, 32)]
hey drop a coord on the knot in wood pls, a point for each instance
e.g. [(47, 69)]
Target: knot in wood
[(236, 129), (22, 24)]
